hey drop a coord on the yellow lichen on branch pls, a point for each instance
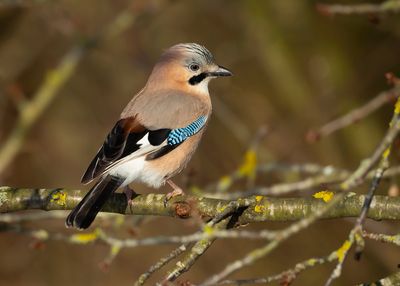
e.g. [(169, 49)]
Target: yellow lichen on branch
[(342, 251), (85, 238), (60, 198), (326, 196), (258, 208)]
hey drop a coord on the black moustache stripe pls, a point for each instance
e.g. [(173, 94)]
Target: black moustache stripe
[(197, 78)]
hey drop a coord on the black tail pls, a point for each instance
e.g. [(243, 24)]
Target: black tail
[(85, 212)]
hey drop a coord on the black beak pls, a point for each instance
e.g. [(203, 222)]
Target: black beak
[(221, 71)]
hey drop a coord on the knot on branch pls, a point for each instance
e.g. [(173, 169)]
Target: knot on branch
[(183, 209)]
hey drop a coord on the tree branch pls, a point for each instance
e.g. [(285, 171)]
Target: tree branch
[(260, 208)]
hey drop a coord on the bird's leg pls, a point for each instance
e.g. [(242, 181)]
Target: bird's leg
[(129, 193), (177, 191)]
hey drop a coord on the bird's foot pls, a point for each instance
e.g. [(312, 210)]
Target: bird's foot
[(170, 195), (129, 193), (177, 191)]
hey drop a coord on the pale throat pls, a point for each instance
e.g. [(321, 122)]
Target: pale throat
[(201, 87)]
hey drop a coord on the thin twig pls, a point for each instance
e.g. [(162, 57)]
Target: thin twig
[(101, 236), (328, 176), (395, 239), (354, 115), (358, 177), (194, 254), (391, 280), (388, 6), (163, 261), (227, 181), (288, 275), (383, 166)]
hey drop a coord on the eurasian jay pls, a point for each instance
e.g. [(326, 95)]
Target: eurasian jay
[(157, 133)]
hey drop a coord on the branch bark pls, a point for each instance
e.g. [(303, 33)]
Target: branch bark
[(260, 208)]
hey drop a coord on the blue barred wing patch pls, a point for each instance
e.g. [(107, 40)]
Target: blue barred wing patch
[(177, 136)]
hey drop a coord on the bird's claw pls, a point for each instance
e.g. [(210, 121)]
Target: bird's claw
[(129, 193), (170, 195), (165, 201)]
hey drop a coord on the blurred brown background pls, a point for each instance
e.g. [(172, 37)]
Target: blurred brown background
[(294, 68)]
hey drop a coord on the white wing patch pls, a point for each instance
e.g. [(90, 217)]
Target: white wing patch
[(133, 166), (144, 140), (145, 147)]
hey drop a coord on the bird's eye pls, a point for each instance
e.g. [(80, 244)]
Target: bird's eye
[(194, 67)]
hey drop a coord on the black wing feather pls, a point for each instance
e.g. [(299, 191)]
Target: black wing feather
[(121, 142), (156, 137), (131, 143)]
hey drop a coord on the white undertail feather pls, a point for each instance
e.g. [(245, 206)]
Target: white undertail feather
[(137, 170)]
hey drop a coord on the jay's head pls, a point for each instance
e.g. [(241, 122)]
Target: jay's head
[(187, 66)]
